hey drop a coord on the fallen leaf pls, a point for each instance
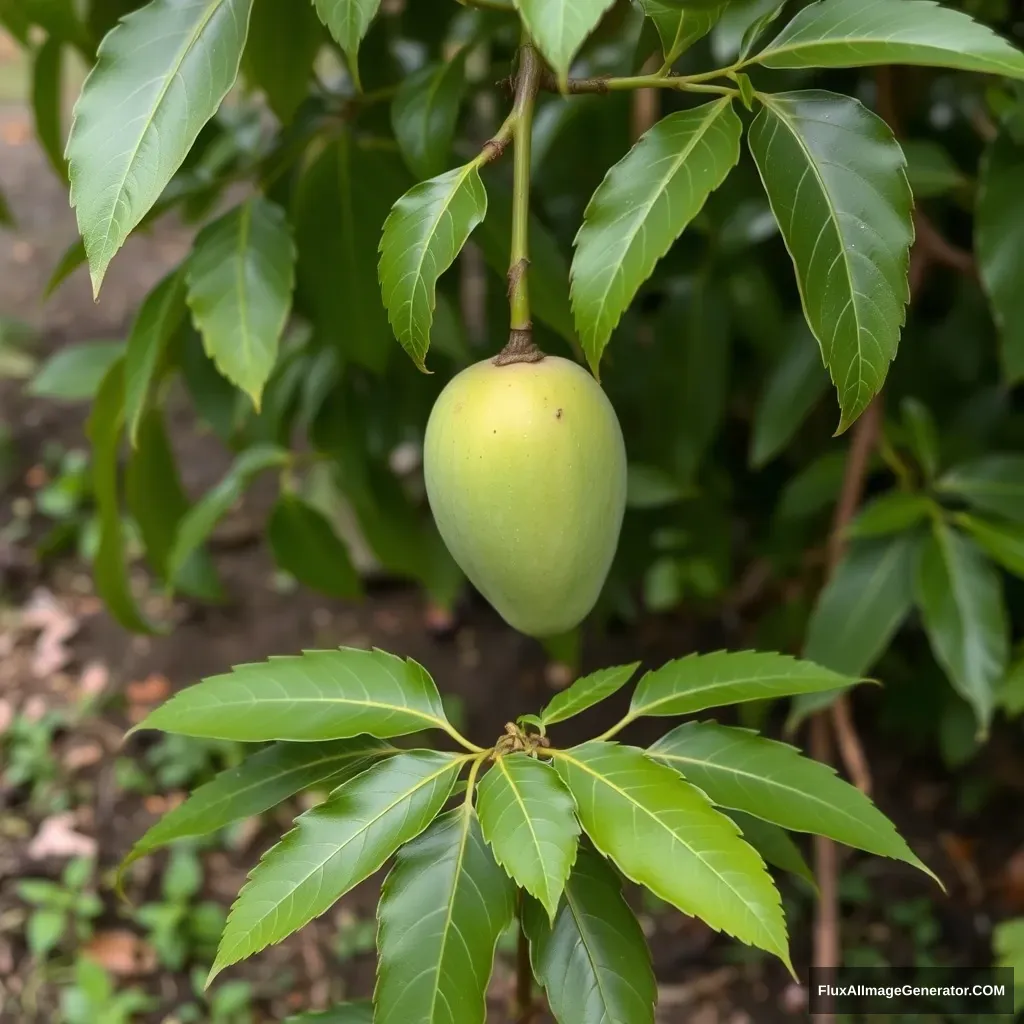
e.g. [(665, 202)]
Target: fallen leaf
[(57, 838), (83, 755), (6, 715), (55, 625), (122, 953), (36, 477), (151, 690)]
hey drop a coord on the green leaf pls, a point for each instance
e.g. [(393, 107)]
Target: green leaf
[(334, 846), (702, 681), (425, 231), (258, 784), (742, 771), (6, 217), (930, 169), (425, 112), (643, 205), (860, 33), (342, 203), (834, 177), (1011, 690), (1008, 941), (775, 845), (741, 25), (285, 82), (305, 544), (319, 695), (110, 569), (794, 388), (894, 512), (680, 27), (160, 75), (1003, 542), (47, 96), (922, 436), (344, 1013), (664, 834), (156, 323), (348, 21), (75, 372), (443, 908), (240, 279), (999, 241), (44, 930), (653, 487), (73, 258), (586, 692), (560, 27), (994, 483), (592, 960), (529, 818), (961, 601), (197, 526)]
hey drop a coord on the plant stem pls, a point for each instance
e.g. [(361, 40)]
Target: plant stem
[(524, 970), (527, 84), (657, 80), (621, 724), (460, 739)]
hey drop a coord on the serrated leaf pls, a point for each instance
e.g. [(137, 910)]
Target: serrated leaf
[(560, 27), (47, 96), (335, 846), (999, 240), (529, 819), (860, 33), (318, 695), (894, 512), (74, 373), (592, 960), (961, 600), (240, 279), (160, 75), (680, 27), (305, 544), (775, 845), (206, 513), (586, 692), (443, 908), (993, 483), (156, 323), (664, 834), (423, 234), (834, 177), (348, 21), (1003, 542), (424, 114), (742, 771), (258, 784), (643, 205), (702, 681)]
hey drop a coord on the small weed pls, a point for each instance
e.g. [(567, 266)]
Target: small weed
[(60, 909), (94, 999)]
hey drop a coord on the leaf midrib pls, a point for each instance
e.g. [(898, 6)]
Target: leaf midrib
[(244, 228), (578, 917), (503, 766), (963, 610)]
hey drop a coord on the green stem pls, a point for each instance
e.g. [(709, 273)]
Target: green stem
[(460, 739), (527, 84), (621, 724), (658, 80)]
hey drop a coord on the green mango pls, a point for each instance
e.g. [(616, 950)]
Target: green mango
[(526, 475)]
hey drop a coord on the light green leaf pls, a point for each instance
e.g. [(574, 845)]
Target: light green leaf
[(560, 27), (930, 169), (318, 695), (860, 33), (894, 512), (961, 600), (664, 834), (47, 97), (335, 846), (75, 372), (305, 544), (1011, 690), (680, 27), (1003, 542), (643, 205), (203, 517), (741, 25), (993, 483), (348, 21), (999, 241), (834, 177), (592, 960), (160, 75), (653, 487), (240, 279), (344, 1013), (424, 114), (586, 692), (425, 231), (1008, 941), (258, 784), (156, 323), (742, 771), (775, 845), (529, 818), (443, 908), (702, 681)]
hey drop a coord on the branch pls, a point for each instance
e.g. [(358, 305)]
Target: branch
[(658, 80)]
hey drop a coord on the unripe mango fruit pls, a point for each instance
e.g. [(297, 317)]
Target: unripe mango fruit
[(526, 475)]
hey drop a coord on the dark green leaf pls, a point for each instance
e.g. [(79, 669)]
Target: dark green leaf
[(319, 695), (216, 400), (593, 960), (835, 180), (560, 27), (47, 96), (344, 1013), (305, 544), (993, 483), (680, 26), (443, 908), (894, 512), (741, 25), (775, 845), (1011, 690), (160, 75), (283, 77), (961, 601), (923, 435), (651, 487), (73, 258), (642, 206), (348, 21), (6, 217), (586, 692), (1003, 542), (74, 373), (335, 846), (930, 169)]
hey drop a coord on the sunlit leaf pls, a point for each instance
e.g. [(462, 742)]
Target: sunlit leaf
[(587, 692), (348, 21), (560, 27), (679, 27)]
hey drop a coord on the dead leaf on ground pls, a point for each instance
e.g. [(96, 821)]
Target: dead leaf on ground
[(154, 689), (6, 715), (83, 755), (122, 953), (55, 625), (57, 838)]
